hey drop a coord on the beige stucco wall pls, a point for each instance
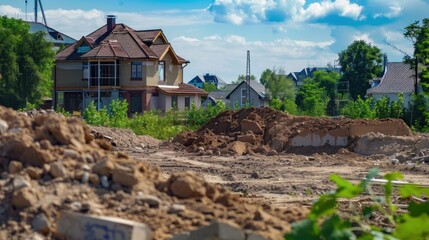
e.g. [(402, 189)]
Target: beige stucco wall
[(165, 102), (69, 74)]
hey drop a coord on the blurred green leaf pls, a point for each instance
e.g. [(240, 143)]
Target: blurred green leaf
[(345, 189), (409, 190), (413, 228), (417, 209), (336, 229), (306, 229), (324, 206)]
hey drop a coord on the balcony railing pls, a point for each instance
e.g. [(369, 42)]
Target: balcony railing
[(105, 72)]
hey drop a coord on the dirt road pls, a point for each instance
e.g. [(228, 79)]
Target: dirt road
[(282, 180)]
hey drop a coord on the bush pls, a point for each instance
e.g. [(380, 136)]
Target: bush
[(155, 125), (324, 220), (119, 114), (198, 117), (358, 109)]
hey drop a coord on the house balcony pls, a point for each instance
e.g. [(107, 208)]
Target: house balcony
[(104, 74)]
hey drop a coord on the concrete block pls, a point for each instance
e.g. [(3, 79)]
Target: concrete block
[(254, 236), (218, 231), (182, 236), (76, 226)]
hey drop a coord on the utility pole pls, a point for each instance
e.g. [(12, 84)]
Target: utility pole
[(248, 78)]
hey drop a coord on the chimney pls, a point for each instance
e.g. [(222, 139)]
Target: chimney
[(111, 22), (385, 61)]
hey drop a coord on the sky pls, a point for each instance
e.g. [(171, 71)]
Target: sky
[(214, 35)]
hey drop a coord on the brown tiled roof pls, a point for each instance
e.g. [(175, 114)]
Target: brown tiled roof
[(398, 78), (182, 89), (159, 49), (122, 42), (148, 35)]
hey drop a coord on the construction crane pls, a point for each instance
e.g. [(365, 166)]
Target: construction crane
[(248, 79), (36, 6)]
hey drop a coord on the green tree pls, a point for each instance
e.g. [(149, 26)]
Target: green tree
[(419, 35), (312, 99), (243, 78), (278, 84), (26, 62), (360, 62), (209, 87), (360, 108)]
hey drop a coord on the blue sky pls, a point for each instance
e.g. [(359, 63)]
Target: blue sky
[(215, 34)]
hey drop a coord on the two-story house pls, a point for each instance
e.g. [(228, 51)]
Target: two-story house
[(118, 62)]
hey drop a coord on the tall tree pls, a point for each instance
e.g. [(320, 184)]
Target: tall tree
[(419, 35), (278, 84), (26, 62), (209, 87), (243, 78), (311, 98), (360, 62)]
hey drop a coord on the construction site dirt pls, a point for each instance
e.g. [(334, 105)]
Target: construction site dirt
[(51, 164)]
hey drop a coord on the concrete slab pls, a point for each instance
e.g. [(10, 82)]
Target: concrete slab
[(218, 231), (76, 226)]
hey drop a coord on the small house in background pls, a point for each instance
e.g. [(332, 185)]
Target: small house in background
[(199, 81), (214, 96), (238, 96), (397, 78), (299, 77)]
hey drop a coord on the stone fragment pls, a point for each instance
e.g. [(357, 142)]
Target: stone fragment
[(94, 179), (254, 236), (186, 185), (249, 138), (58, 170), (152, 201), (20, 182), (176, 208), (104, 167), (104, 182), (40, 223), (15, 166), (125, 176), (3, 126), (70, 153), (23, 198), (237, 147), (34, 172)]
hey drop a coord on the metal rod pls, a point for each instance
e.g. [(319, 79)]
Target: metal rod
[(43, 12), (35, 10), (98, 90)]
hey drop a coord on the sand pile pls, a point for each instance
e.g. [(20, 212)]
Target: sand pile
[(267, 131), (49, 164)]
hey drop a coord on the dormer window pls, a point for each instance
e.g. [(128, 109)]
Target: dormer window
[(83, 48)]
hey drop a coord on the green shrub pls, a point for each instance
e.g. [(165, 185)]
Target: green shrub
[(358, 109), (324, 220), (119, 114)]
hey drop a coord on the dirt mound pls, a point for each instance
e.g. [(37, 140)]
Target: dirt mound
[(267, 131), (50, 164), (124, 139)]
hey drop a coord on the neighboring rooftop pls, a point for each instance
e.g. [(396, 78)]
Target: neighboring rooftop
[(398, 78), (255, 85), (182, 89), (51, 35)]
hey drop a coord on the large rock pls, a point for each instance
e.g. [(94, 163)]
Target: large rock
[(15, 167), (249, 138), (249, 125), (3, 126), (186, 185), (218, 231)]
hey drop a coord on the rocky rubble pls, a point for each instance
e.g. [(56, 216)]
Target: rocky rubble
[(50, 164), (267, 131)]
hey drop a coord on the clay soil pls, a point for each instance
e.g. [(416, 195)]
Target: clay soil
[(281, 181)]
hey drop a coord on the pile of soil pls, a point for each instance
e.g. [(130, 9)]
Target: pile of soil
[(124, 139), (267, 131), (49, 164)]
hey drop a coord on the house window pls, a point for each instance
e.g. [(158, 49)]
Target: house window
[(161, 71), (136, 70), (85, 71), (83, 48), (243, 96), (187, 102), (174, 102)]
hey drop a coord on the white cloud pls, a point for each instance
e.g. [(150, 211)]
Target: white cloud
[(226, 55), (254, 11), (363, 36), (341, 7)]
